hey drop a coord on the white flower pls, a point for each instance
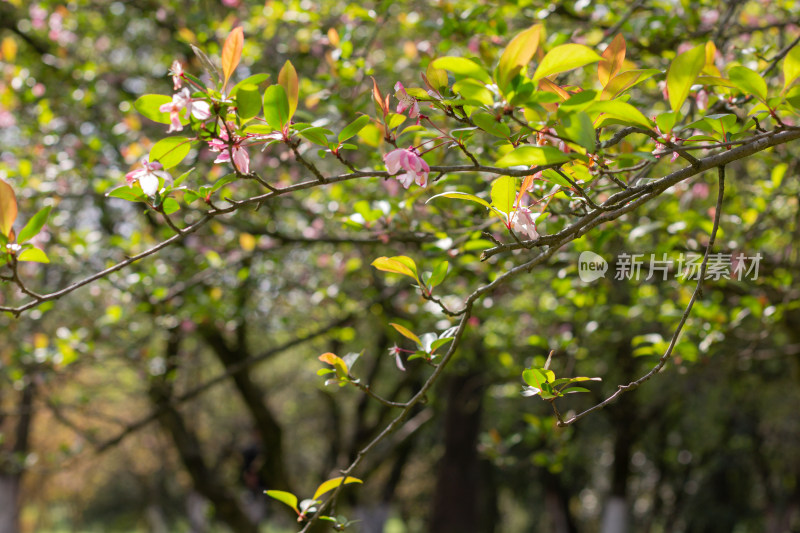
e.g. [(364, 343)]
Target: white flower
[(149, 177)]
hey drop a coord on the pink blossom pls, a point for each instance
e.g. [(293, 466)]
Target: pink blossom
[(416, 169), (177, 74), (406, 101), (523, 222), (702, 99), (149, 177), (396, 351), (181, 107), (241, 159), (38, 15)]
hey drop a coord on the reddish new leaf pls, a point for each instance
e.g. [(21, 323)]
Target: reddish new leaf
[(232, 53)]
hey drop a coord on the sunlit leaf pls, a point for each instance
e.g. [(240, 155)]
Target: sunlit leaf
[(791, 67), (34, 225), (462, 67), (504, 191), (8, 208), (284, 497), (353, 128), (148, 105), (517, 55), (170, 151), (749, 82), (392, 264), (407, 333), (563, 58), (287, 78), (232, 53), (276, 107), (461, 196), (33, 255), (532, 156), (248, 101), (332, 484), (613, 57), (682, 73)]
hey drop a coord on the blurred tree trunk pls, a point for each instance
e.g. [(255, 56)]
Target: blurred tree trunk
[(616, 515), (12, 462), (465, 499), (227, 507), (273, 470)]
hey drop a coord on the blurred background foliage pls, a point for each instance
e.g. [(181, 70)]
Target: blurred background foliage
[(708, 446)]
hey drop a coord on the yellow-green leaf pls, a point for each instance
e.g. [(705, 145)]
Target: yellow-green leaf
[(33, 255), (34, 225), (620, 111), (8, 208), (391, 264), (791, 67), (565, 57), (749, 82), (532, 156), (682, 73), (463, 67), (405, 332), (332, 484), (287, 78), (284, 497), (504, 190), (232, 53), (335, 361), (613, 56), (517, 54)]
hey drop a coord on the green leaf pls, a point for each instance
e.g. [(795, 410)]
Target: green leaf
[(170, 151), (504, 191), (284, 497), (563, 58), (34, 225), (316, 135), (534, 377), (170, 206), (148, 105), (438, 274), (435, 345), (332, 484), (621, 111), (473, 91), (33, 255), (517, 55), (8, 208), (532, 156), (248, 101), (682, 73), (437, 77), (352, 129), (749, 82), (287, 78), (573, 390), (579, 128), (461, 196), (128, 193), (407, 333), (255, 79), (463, 67), (490, 124), (276, 107), (791, 67)]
